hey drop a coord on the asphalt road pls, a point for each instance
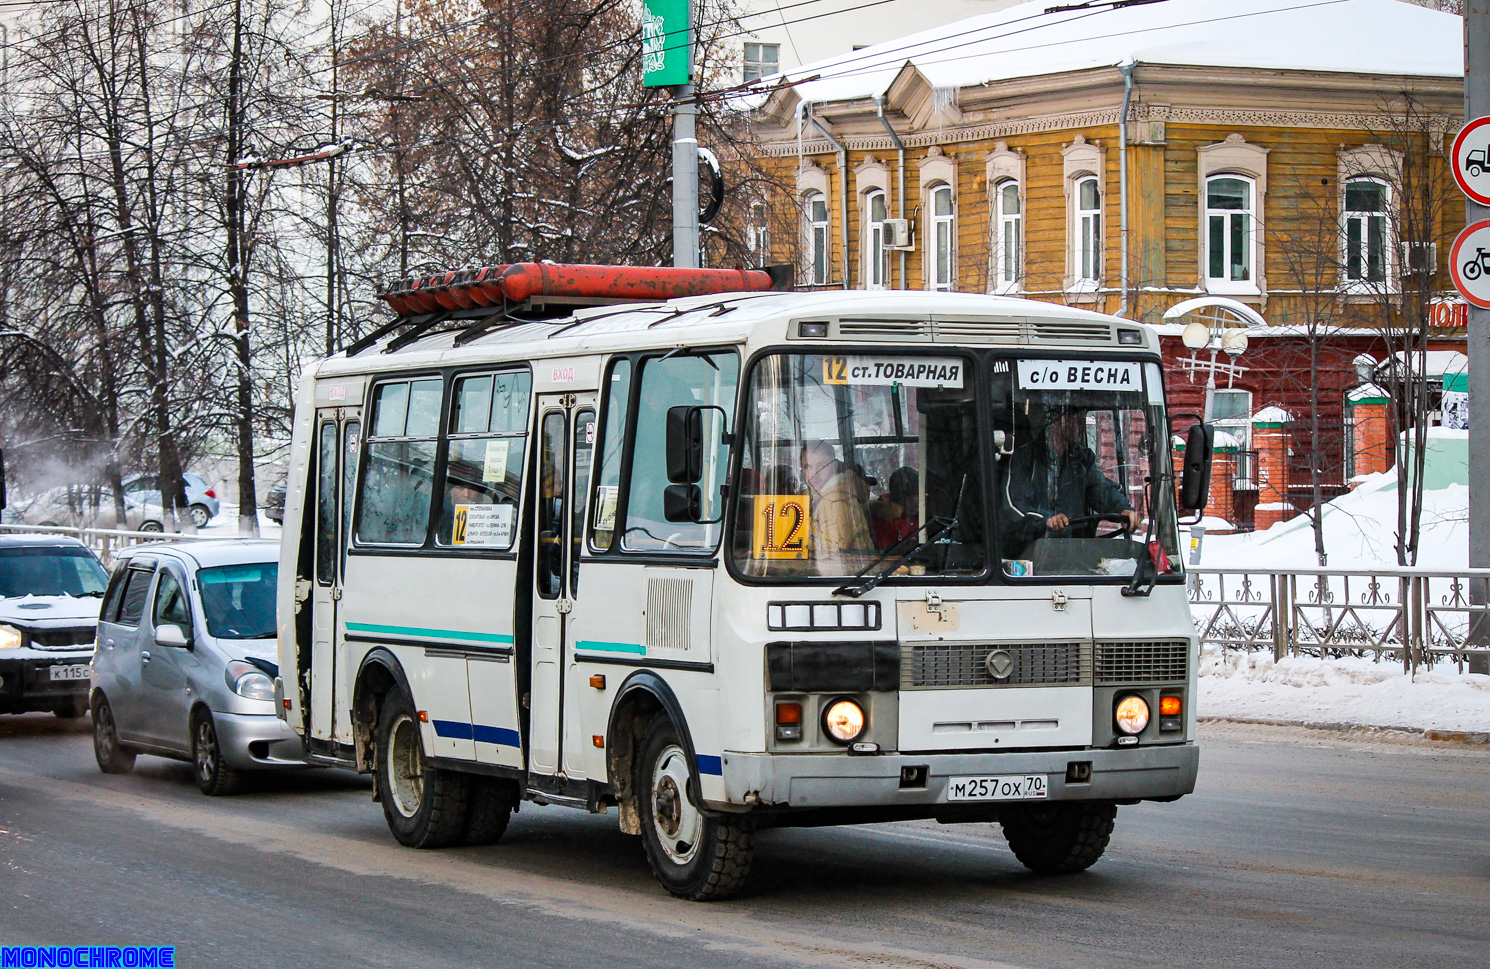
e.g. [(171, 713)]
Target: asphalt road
[(1300, 848)]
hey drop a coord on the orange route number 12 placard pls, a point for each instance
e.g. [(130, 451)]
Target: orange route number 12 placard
[(781, 528)]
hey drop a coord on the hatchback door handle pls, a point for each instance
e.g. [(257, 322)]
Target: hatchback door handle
[(144, 656), (108, 644)]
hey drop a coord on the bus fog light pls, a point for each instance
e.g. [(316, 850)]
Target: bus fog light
[(1132, 714), (844, 721)]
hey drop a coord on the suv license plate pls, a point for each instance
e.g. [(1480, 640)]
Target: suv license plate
[(1006, 787), (77, 671)]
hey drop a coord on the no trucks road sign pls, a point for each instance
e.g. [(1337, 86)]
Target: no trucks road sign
[(1469, 261), (1470, 160)]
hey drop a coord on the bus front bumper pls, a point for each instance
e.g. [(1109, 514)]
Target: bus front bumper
[(840, 780)]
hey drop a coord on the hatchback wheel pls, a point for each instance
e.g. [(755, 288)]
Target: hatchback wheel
[(200, 516), (112, 756), (213, 777), (151, 527)]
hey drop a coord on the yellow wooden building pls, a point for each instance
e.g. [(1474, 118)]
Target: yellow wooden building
[(1289, 156)]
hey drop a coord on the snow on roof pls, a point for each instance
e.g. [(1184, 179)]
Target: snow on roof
[(1366, 391), (1272, 415), (1349, 36), (1437, 363)]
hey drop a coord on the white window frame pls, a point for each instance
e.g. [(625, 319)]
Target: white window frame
[(1235, 157), (1008, 239), (1240, 427), (1361, 284), (1224, 283), (876, 271), (1086, 236), (816, 240), (755, 68), (758, 232), (941, 276)]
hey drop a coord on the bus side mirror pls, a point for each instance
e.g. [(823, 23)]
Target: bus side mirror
[(685, 445), (2, 480), (1195, 483), (683, 503)]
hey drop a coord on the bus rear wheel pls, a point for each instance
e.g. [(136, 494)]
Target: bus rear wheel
[(425, 807), (693, 855), (1058, 838)]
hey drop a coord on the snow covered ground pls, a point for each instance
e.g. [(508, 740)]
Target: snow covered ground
[(1359, 530), (225, 525)]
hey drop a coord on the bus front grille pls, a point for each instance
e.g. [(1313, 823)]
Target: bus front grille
[(944, 665), (1143, 662)]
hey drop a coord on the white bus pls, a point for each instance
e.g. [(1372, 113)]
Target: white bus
[(735, 561)]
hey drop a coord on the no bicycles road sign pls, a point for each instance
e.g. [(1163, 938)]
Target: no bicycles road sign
[(1470, 160), (1469, 261)]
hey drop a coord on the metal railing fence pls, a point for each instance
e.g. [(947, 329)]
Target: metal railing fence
[(104, 541), (1414, 616)]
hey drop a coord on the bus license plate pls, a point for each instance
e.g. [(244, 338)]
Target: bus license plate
[(77, 671), (1008, 787)]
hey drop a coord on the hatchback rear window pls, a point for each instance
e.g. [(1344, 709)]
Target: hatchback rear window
[(238, 600)]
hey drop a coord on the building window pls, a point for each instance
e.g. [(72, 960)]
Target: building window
[(758, 233), (876, 260), (1087, 259), (1366, 203), (1229, 239), (761, 60), (1008, 224), (816, 231), (1231, 411), (939, 273)]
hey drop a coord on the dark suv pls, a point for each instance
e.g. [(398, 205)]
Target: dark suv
[(50, 590)]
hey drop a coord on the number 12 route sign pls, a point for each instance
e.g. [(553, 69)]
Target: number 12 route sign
[(1469, 262)]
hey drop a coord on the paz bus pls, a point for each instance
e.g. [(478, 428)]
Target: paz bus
[(724, 557)]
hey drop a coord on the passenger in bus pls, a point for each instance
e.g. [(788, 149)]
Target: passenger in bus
[(1053, 479), (894, 515), (838, 522)]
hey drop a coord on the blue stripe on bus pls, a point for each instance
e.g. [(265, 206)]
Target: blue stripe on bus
[(709, 764), (479, 732), (367, 627), (635, 648)]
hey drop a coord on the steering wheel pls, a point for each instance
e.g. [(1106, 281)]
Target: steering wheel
[(1126, 531)]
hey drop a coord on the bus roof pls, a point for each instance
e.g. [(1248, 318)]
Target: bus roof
[(877, 316)]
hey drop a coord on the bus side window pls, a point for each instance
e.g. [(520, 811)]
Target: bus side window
[(706, 379), (616, 407), (484, 461), (398, 481)]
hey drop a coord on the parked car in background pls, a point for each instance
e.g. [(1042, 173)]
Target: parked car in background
[(201, 499), (88, 506), (274, 502), (185, 665), (50, 587)]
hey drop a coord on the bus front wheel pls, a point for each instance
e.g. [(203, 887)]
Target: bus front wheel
[(693, 855), (1058, 838), (425, 806)]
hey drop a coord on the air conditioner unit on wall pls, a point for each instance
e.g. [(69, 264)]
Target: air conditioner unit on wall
[(898, 234), (1419, 258)]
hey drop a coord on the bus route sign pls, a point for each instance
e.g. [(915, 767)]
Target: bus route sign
[(667, 42)]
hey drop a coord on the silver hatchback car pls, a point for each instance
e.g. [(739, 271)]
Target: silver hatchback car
[(185, 663)]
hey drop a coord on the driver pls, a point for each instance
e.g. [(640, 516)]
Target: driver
[(1054, 479)]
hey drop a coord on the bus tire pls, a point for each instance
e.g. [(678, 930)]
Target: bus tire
[(694, 856), (425, 806), (491, 803), (1058, 838)]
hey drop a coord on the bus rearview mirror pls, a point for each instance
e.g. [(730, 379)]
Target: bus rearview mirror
[(2, 480), (1195, 482), (683, 503), (685, 445)]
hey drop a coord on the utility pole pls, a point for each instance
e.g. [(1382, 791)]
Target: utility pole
[(1477, 105), (685, 179)]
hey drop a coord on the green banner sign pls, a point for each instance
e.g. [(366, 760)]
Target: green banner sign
[(667, 42)]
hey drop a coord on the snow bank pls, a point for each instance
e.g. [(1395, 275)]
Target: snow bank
[(1251, 686)]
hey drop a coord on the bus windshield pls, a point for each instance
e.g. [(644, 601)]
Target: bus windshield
[(1081, 440), (847, 457)]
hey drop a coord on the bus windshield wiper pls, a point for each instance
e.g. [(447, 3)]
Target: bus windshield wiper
[(862, 581)]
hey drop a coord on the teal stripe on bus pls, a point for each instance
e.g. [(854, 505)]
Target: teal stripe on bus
[(367, 627), (635, 648)]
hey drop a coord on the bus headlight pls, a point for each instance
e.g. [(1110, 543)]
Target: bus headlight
[(1132, 714), (844, 721)]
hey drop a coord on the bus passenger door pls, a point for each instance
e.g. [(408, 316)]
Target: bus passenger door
[(564, 420), (338, 431)]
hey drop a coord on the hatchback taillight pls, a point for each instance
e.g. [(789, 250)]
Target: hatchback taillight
[(210, 493)]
